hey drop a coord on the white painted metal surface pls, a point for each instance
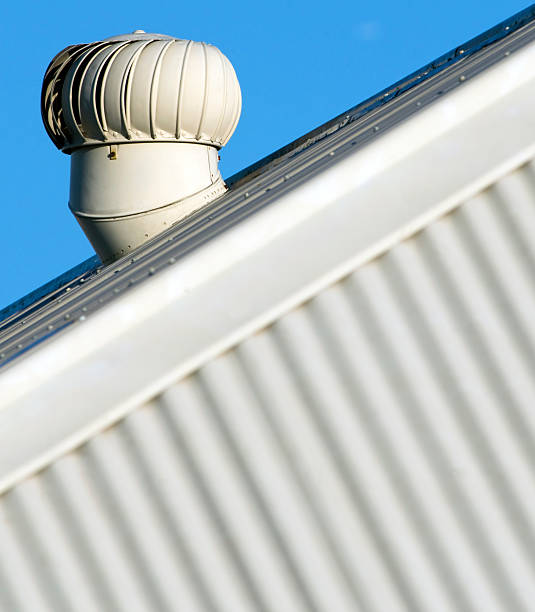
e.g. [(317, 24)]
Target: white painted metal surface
[(140, 88), (146, 188), (370, 450), (128, 109)]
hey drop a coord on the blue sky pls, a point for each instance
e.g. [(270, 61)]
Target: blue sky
[(299, 64)]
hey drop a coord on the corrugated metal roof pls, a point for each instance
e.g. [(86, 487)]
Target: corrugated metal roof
[(341, 424), (63, 302), (371, 450)]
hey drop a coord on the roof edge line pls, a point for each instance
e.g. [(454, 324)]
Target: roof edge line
[(79, 270), (458, 53)]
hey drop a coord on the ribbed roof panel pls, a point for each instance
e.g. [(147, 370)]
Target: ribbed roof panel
[(372, 450)]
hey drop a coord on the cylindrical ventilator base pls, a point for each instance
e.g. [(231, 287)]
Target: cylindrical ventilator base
[(124, 194)]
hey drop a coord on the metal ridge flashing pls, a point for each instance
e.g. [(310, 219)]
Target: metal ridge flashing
[(47, 291)]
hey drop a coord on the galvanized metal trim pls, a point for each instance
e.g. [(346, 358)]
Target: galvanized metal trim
[(10, 314)]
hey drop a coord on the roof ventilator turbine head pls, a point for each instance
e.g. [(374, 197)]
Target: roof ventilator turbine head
[(142, 116)]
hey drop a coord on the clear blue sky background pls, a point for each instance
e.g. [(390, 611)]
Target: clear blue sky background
[(299, 64)]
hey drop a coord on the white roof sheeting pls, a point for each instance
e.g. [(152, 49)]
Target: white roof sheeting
[(370, 451), (328, 407)]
